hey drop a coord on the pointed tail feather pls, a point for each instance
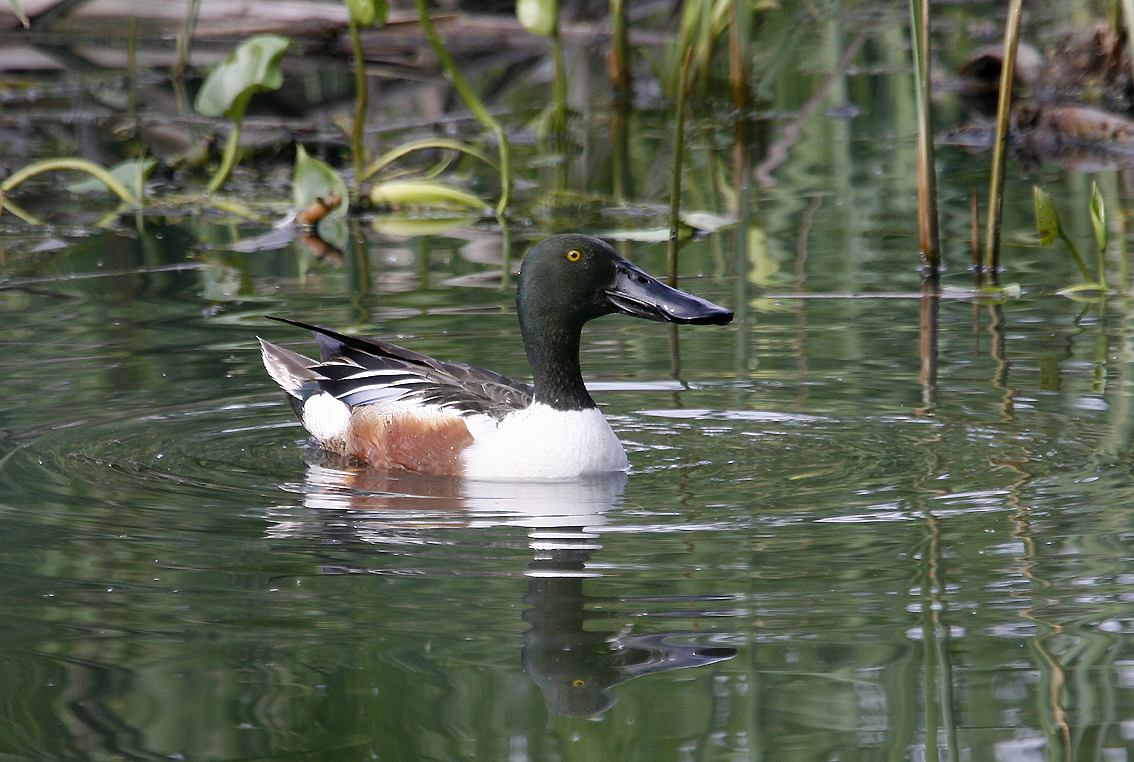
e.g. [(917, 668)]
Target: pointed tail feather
[(292, 371)]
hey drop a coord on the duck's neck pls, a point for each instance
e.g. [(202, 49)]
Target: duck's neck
[(553, 351)]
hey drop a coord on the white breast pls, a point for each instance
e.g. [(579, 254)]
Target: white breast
[(541, 442)]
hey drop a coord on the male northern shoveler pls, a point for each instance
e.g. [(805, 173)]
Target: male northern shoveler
[(394, 408)]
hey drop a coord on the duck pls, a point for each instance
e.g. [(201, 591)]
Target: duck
[(393, 408)]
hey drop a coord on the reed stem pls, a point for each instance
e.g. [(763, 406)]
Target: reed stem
[(926, 168), (1000, 146), (675, 176)]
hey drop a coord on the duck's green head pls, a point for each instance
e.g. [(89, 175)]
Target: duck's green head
[(569, 279)]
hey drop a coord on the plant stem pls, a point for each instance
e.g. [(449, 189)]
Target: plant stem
[(474, 104), (82, 165), (1079, 261), (926, 170), (360, 103), (619, 51), (185, 39), (999, 148), (559, 87), (228, 160), (675, 175)]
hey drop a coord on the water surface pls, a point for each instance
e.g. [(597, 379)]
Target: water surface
[(859, 524)]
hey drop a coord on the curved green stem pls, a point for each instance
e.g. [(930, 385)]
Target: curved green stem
[(82, 165), (474, 104), (416, 145), (7, 205)]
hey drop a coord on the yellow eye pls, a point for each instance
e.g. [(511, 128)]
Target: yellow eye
[(574, 255), (577, 683)]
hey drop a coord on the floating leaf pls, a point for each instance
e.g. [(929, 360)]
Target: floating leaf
[(368, 12), (1098, 217), (706, 222), (997, 293), (643, 235), (1047, 219), (538, 16), (254, 66), (422, 193)]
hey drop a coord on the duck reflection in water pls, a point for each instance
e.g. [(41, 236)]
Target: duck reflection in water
[(574, 667)]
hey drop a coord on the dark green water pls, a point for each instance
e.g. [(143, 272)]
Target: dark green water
[(839, 540), (185, 575)]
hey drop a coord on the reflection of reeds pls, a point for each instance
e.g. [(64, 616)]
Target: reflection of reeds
[(940, 722)]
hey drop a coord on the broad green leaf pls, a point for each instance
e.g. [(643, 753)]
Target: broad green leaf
[(1047, 219), (254, 66), (422, 193), (1098, 217), (314, 179), (368, 12), (538, 16)]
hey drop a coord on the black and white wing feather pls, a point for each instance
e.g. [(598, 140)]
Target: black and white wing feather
[(360, 371)]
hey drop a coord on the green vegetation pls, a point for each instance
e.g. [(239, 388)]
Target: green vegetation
[(1050, 228), (254, 66)]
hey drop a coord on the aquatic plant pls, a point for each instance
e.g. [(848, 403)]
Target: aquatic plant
[(1049, 227), (926, 168), (96, 171), (362, 13), (991, 264), (541, 17), (253, 67), (473, 103)]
